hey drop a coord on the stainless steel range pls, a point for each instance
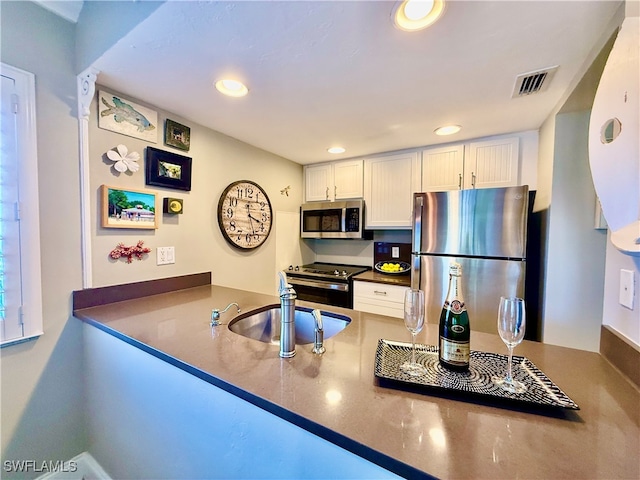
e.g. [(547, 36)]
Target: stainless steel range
[(327, 283)]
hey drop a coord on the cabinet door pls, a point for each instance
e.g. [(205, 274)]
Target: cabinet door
[(318, 182), (389, 184), (442, 168), (347, 179), (493, 163)]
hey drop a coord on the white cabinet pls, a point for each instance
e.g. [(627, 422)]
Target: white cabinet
[(333, 181), (492, 163), (443, 168), (389, 184), (485, 164), (379, 298)]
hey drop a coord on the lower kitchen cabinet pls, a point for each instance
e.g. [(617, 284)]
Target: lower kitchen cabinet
[(379, 298)]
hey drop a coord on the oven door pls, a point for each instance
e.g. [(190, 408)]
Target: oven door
[(337, 294)]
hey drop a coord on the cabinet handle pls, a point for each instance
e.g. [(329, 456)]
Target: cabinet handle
[(378, 292), (473, 180), (459, 181), (335, 191), (327, 193)]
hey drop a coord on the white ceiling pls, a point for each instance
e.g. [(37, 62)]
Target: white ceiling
[(324, 73)]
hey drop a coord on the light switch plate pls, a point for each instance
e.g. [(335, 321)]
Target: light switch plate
[(165, 255), (627, 288)]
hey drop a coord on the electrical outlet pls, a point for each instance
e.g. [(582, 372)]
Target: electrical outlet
[(627, 288), (395, 252), (165, 255)]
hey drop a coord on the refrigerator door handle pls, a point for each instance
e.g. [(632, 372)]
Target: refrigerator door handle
[(418, 208)]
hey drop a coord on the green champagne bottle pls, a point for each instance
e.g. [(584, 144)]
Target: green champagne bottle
[(454, 347)]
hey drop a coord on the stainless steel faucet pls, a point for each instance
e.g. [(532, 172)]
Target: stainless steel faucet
[(287, 317), (318, 347), (215, 314)]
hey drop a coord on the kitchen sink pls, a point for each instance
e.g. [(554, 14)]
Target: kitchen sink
[(263, 324)]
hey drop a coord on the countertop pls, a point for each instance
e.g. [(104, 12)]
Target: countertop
[(403, 280), (337, 396)]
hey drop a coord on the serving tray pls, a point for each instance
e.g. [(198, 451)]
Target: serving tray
[(541, 391)]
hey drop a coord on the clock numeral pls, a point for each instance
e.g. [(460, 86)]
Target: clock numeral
[(264, 216), (262, 205), (232, 225), (229, 212), (233, 201)]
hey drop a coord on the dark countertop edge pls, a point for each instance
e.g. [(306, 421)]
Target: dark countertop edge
[(93, 297), (373, 456)]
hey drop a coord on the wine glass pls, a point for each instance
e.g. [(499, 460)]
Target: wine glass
[(414, 321), (511, 326)]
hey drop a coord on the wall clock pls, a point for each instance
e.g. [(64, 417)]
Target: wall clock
[(245, 215)]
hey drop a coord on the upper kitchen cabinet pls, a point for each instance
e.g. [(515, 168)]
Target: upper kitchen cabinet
[(389, 184), (484, 164), (333, 181), (443, 168)]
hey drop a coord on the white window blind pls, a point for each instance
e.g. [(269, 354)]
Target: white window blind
[(20, 287)]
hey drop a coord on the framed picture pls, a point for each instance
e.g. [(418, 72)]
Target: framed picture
[(126, 117), (177, 135), (166, 169), (128, 208)]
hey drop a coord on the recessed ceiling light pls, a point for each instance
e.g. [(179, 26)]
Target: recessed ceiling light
[(411, 15), (447, 130), (336, 150), (232, 88)]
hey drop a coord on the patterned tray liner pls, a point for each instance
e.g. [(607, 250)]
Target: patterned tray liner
[(483, 366)]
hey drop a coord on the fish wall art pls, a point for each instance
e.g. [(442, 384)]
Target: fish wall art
[(126, 117)]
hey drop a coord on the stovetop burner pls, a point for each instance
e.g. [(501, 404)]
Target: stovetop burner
[(330, 270)]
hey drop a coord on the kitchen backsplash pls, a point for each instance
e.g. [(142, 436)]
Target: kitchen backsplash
[(355, 252)]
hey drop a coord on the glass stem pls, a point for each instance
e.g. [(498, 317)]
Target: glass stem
[(509, 369), (413, 350)]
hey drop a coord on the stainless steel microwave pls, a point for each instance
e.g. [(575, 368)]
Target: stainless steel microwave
[(333, 220)]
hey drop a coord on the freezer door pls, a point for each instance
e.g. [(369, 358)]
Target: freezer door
[(489, 222), (483, 282)]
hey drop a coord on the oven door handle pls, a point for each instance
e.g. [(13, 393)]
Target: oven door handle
[(341, 287)]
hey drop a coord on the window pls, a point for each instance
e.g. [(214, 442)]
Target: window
[(20, 287)]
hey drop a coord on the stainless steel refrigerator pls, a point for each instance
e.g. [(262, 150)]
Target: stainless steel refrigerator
[(485, 230)]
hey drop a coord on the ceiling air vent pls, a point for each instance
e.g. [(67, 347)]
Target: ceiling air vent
[(533, 82)]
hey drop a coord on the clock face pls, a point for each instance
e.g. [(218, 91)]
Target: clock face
[(244, 215)]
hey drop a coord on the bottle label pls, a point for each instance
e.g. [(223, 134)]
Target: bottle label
[(456, 306), (455, 353)]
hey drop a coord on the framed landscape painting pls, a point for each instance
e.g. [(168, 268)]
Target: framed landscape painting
[(126, 117), (167, 169), (177, 135), (128, 208)]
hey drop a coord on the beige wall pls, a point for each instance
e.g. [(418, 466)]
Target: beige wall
[(41, 380), (218, 160)]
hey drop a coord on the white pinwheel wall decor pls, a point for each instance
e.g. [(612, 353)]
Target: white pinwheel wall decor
[(123, 159)]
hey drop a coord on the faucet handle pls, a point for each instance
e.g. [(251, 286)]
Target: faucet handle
[(318, 346)]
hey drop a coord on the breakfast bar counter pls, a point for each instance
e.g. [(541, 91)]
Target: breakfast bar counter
[(408, 431)]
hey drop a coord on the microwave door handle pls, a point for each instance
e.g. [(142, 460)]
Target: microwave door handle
[(343, 220)]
